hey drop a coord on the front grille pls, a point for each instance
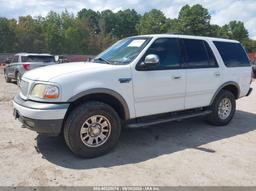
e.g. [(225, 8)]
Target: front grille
[(24, 86)]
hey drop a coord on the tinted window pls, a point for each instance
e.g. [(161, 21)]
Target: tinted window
[(37, 59), (168, 51), (211, 58), (232, 54), (199, 54), (15, 59)]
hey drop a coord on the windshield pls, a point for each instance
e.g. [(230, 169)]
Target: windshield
[(123, 51), (37, 59)]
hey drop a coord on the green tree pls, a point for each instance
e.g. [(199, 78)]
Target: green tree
[(54, 33), (90, 32), (194, 20), (91, 18), (120, 24), (236, 30), (7, 35), (173, 26), (126, 23), (152, 22), (108, 22), (250, 45), (29, 34)]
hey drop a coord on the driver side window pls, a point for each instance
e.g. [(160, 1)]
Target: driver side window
[(168, 51)]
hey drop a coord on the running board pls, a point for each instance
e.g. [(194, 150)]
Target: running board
[(173, 118)]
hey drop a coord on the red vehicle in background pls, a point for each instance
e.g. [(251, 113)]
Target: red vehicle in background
[(252, 57)]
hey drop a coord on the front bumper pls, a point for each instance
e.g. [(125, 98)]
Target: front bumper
[(45, 118)]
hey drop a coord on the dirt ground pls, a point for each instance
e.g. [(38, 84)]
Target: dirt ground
[(183, 153)]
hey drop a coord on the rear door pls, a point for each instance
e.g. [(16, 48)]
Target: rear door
[(202, 71), (161, 88)]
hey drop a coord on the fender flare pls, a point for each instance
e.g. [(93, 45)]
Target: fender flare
[(222, 86), (103, 91)]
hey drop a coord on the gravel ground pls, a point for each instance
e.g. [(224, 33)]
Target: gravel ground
[(183, 153)]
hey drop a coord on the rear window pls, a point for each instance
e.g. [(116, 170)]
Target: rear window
[(199, 54), (233, 54), (37, 59)]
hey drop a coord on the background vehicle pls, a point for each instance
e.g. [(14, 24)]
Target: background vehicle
[(8, 60), (23, 62), (253, 63), (139, 81)]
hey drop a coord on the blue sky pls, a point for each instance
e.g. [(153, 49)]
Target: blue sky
[(222, 11)]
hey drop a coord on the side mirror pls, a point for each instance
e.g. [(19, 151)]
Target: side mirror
[(150, 60)]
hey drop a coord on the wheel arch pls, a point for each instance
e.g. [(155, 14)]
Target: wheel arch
[(16, 72), (231, 86), (107, 96)]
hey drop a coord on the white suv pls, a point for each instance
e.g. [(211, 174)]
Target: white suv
[(139, 81)]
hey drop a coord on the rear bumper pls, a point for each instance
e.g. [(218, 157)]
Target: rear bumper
[(249, 92), (46, 118)]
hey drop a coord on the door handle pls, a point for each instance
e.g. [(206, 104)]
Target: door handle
[(217, 74), (124, 80), (176, 77)]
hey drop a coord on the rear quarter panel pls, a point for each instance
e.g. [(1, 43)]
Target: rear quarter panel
[(240, 75)]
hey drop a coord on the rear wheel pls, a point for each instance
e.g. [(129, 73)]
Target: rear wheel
[(223, 108), (92, 129), (7, 79)]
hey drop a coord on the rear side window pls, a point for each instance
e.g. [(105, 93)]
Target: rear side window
[(199, 54), (233, 54), (37, 59)]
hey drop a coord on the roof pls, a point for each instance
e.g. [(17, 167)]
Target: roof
[(189, 37), (32, 54)]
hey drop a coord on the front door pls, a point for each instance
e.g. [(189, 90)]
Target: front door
[(160, 88)]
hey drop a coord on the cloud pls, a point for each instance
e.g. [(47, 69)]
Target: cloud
[(222, 11)]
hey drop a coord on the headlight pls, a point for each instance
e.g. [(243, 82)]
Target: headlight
[(45, 91)]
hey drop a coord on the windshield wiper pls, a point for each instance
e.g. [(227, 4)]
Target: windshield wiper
[(102, 59)]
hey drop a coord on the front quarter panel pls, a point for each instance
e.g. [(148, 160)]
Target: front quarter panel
[(107, 78)]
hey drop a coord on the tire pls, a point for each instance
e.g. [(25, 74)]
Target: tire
[(18, 79), (7, 79), (220, 116), (254, 73), (78, 120)]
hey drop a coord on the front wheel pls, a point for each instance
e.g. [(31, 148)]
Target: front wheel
[(18, 78), (7, 79), (92, 129), (223, 109)]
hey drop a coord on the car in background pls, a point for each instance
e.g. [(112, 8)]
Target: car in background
[(253, 63), (23, 62), (8, 60)]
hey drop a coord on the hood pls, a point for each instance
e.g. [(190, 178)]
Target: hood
[(49, 72)]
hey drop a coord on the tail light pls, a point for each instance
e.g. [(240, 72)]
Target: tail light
[(26, 66)]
